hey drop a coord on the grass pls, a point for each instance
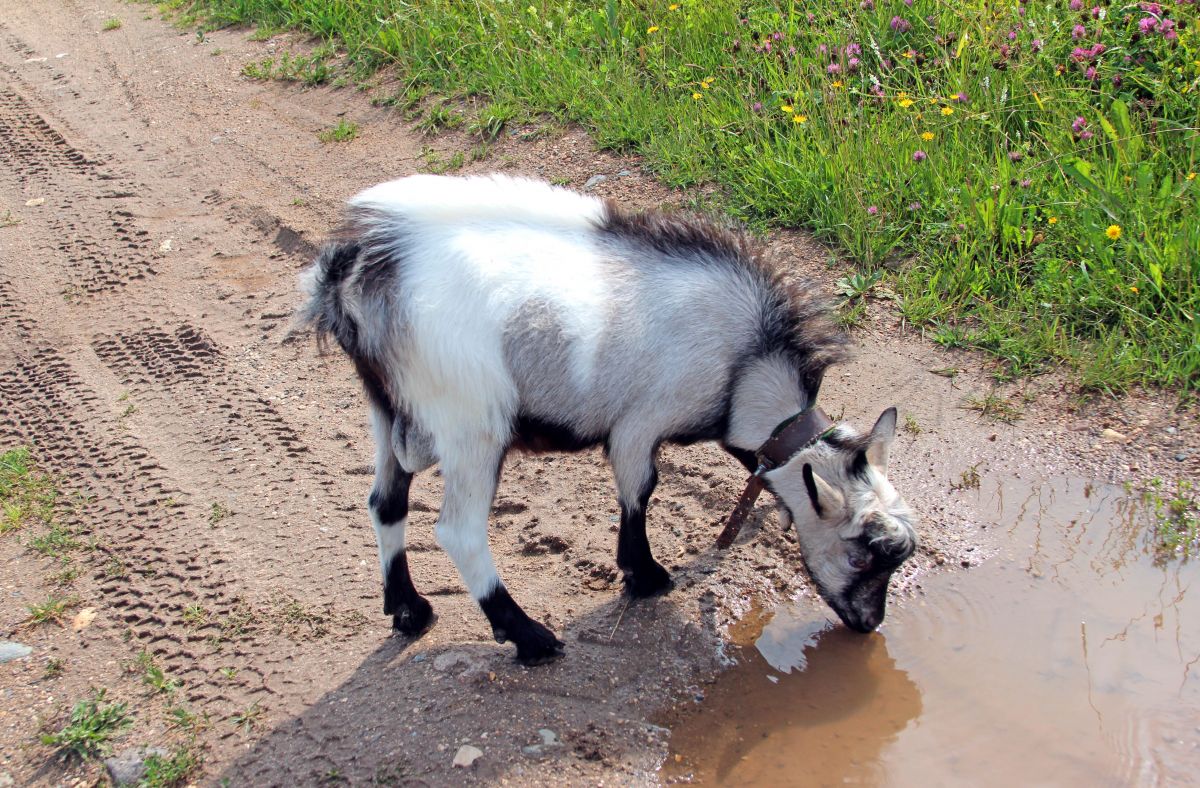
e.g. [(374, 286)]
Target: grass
[(170, 770), (112, 23), (92, 724), (344, 131), (1036, 181), (249, 718), (55, 542), (1174, 510), (50, 611), (994, 407), (26, 495), (54, 668), (154, 677), (218, 512)]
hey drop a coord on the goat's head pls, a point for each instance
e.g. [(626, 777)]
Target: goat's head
[(854, 528)]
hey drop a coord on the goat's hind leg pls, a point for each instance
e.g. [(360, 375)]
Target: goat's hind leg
[(388, 504), (462, 532)]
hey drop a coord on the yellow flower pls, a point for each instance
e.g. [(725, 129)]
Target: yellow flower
[(837, 83), (906, 103), (1113, 231), (907, 54), (786, 107), (927, 136), (799, 118), (673, 7), (902, 95), (1132, 289), (697, 96), (1053, 220), (947, 111), (652, 29), (1191, 176), (709, 80), (933, 99)]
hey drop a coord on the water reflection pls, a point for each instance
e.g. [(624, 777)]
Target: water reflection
[(826, 723)]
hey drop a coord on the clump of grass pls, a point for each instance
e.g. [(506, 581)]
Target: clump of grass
[(112, 23), (92, 724), (51, 611), (55, 542), (153, 676), (26, 495), (995, 407), (344, 131), (310, 70), (436, 164), (249, 718), (1175, 512), (194, 615), (911, 426), (1041, 179), (218, 512), (297, 621), (968, 479), (9, 220), (439, 117), (54, 668), (168, 771)]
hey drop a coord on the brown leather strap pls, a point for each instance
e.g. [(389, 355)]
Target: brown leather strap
[(790, 437)]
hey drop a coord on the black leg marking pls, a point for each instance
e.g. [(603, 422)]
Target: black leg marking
[(411, 613), (644, 577), (535, 644), (391, 504)]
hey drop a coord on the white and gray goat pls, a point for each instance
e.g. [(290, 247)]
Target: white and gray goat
[(486, 314)]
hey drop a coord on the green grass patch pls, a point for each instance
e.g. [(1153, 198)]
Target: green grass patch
[(92, 724), (1175, 512), (167, 771), (50, 611), (1032, 167), (344, 131), (112, 23), (26, 495)]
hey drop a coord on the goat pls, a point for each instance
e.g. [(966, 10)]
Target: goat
[(485, 314)]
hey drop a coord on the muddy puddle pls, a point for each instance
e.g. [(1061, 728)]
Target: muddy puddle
[(1070, 658)]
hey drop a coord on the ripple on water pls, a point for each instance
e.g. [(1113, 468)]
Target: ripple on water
[(1065, 660)]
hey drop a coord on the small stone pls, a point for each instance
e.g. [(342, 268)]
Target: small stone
[(594, 181), (420, 658), (532, 749), (624, 173), (1180, 457), (36, 201), (467, 755), (129, 767), (548, 736), (11, 649), (1170, 430), (450, 659), (6, 779), (1113, 436), (167, 245)]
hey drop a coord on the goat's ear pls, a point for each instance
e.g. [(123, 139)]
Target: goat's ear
[(882, 435), (799, 479)]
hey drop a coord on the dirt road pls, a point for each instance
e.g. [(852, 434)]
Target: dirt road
[(156, 209)]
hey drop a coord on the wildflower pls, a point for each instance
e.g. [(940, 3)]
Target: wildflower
[(1036, 45), (1086, 135), (947, 111), (1079, 31), (919, 156), (852, 50), (1015, 155), (914, 206), (1191, 176), (837, 83), (757, 107), (1026, 183), (697, 96), (798, 118), (927, 136), (900, 25), (867, 5), (833, 68), (907, 55), (906, 103), (1076, 5), (960, 97), (1113, 231), (673, 7), (1091, 74), (1053, 220), (652, 30), (853, 63), (787, 108), (1133, 289), (872, 210)]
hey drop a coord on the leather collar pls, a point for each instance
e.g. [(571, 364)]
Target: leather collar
[(792, 436)]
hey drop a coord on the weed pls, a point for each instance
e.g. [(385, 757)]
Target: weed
[(92, 724), (947, 372), (299, 203), (491, 119), (112, 23), (911, 426), (195, 615), (995, 407), (561, 180), (153, 676), (130, 409), (344, 131), (218, 512), (851, 314), (54, 668), (968, 480), (858, 285), (168, 771), (115, 568), (182, 717), (297, 621), (216, 52), (439, 117), (26, 495), (65, 576), (249, 718), (8, 220), (481, 151), (239, 620), (951, 336), (228, 673), (1174, 512), (436, 164), (50, 611), (55, 542)]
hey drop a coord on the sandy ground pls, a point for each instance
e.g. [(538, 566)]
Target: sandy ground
[(160, 208)]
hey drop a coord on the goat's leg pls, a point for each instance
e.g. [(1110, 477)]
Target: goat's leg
[(388, 504), (636, 475), (471, 479)]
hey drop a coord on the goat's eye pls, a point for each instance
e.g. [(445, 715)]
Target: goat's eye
[(860, 562)]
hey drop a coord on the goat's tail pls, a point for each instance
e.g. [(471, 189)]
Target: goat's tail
[(324, 311)]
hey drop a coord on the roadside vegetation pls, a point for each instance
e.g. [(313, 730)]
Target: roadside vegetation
[(1025, 174), (27, 496)]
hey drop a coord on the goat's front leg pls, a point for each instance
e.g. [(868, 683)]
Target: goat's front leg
[(388, 504), (633, 467), (471, 479)]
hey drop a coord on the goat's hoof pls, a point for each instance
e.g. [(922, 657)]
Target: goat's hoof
[(414, 618), (650, 580), (537, 645)]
